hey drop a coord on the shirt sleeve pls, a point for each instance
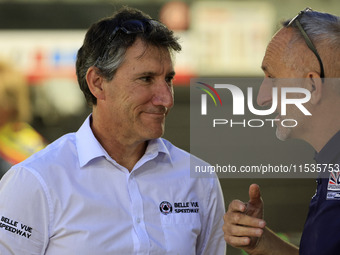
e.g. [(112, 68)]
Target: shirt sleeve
[(211, 240), (24, 213)]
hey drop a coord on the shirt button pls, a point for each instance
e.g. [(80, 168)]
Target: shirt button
[(138, 220)]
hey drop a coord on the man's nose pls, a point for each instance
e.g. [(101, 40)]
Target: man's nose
[(164, 95), (264, 96)]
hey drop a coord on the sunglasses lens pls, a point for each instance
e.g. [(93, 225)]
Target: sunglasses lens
[(133, 26), (155, 23)]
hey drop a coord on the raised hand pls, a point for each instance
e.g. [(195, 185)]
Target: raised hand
[(243, 222)]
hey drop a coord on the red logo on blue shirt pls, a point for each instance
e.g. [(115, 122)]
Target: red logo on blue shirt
[(333, 189), (334, 181)]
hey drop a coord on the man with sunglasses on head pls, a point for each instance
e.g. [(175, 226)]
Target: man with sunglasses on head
[(307, 47), (115, 186)]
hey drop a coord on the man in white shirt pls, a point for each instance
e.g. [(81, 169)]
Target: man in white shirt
[(115, 186)]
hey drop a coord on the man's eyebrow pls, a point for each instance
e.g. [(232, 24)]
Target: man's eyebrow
[(172, 73), (147, 73)]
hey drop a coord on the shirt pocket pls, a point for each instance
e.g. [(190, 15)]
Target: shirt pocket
[(181, 231)]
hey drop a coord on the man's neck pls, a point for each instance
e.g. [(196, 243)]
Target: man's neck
[(325, 120), (322, 135), (122, 150), (126, 156)]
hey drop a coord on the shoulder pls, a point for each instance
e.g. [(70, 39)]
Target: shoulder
[(44, 171), (60, 152), (186, 163), (177, 153)]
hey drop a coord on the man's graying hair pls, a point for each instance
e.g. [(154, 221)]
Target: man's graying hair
[(324, 31), (108, 58)]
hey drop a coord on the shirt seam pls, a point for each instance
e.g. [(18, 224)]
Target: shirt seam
[(49, 203), (206, 219)]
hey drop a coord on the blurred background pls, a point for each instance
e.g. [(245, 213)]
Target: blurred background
[(219, 38)]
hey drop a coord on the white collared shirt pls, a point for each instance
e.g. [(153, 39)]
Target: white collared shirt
[(72, 198)]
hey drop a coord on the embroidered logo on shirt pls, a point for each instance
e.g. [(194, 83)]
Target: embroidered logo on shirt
[(186, 207), (15, 227), (333, 192), (333, 195), (334, 181), (179, 207), (165, 207)]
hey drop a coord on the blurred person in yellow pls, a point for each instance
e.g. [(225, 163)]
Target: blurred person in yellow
[(18, 140)]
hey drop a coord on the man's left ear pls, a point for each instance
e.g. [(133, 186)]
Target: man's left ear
[(95, 83), (315, 86)]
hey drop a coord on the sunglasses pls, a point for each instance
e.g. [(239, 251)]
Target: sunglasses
[(133, 26), (306, 37)]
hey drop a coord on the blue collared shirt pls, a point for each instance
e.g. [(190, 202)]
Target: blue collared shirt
[(321, 231), (73, 198)]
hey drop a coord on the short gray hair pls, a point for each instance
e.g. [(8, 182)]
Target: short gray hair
[(324, 31)]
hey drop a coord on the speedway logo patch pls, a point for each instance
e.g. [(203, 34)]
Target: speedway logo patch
[(179, 207)]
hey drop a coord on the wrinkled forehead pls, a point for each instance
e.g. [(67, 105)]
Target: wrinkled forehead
[(280, 40), (142, 50), (279, 46)]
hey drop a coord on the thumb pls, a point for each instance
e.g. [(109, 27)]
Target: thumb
[(254, 194)]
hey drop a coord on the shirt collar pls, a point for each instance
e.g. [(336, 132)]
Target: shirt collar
[(330, 151), (89, 148), (156, 146)]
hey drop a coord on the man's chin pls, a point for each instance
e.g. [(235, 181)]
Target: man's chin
[(282, 133), (154, 133)]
